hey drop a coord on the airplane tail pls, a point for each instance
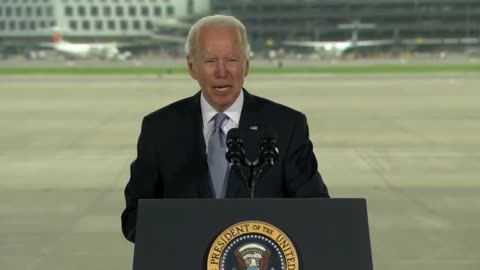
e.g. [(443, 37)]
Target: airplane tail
[(57, 37)]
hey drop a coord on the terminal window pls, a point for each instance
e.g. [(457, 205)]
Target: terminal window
[(170, 11), (157, 11), (132, 11), (73, 25), (94, 11), (136, 25), (81, 11), (148, 25), (119, 11), (68, 11), (107, 11), (99, 25), (111, 25), (86, 25), (124, 25), (145, 11)]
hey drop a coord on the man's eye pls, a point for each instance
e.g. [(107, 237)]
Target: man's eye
[(209, 61), (232, 60)]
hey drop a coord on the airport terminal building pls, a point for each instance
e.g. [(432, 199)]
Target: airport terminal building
[(413, 22), (90, 19), (409, 24)]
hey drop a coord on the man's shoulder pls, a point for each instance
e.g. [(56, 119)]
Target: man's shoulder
[(269, 106), (173, 110)]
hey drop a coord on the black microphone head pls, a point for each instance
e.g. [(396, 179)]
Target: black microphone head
[(234, 133), (234, 152), (268, 148), (250, 139)]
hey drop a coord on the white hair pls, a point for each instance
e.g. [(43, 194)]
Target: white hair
[(216, 21)]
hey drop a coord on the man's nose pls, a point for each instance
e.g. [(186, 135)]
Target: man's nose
[(221, 70)]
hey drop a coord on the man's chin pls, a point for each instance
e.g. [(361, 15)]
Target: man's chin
[(223, 103)]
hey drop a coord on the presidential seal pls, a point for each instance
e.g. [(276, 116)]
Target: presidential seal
[(252, 245)]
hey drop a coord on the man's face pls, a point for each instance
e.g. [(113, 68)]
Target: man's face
[(219, 65)]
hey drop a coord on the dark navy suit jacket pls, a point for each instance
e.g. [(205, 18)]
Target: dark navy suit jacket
[(172, 163)]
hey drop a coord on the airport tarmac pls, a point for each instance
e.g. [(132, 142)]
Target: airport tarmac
[(408, 143), (163, 62)]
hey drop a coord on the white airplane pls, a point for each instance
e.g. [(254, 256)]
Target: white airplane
[(336, 48), (108, 51)]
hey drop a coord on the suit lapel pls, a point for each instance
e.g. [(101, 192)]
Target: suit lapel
[(199, 156), (249, 110)]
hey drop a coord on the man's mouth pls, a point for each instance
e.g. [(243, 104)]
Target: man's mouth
[(222, 88)]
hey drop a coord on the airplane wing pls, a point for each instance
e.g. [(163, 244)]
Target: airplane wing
[(368, 43), (340, 46), (169, 38)]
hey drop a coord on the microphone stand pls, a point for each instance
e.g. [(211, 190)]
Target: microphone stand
[(251, 181), (254, 177), (251, 177)]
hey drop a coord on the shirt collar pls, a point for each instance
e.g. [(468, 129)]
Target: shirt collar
[(233, 112)]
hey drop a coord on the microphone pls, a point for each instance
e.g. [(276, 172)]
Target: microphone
[(235, 153), (268, 154), (268, 149)]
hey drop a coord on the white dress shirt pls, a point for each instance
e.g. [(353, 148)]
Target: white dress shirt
[(208, 112)]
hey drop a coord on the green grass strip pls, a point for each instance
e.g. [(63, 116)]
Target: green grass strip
[(91, 71), (360, 69), (365, 69)]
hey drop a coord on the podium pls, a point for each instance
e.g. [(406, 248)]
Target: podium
[(186, 234)]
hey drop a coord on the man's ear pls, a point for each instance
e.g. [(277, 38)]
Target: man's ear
[(247, 67), (191, 69)]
